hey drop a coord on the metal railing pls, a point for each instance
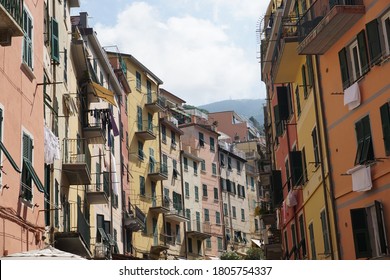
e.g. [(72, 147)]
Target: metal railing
[(199, 226), (76, 151), (78, 222), (100, 182), (146, 126), (317, 11), (96, 119), (15, 9), (158, 167), (154, 98)]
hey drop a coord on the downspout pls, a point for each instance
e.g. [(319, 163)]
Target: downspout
[(331, 185)]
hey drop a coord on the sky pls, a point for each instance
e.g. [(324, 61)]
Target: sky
[(203, 50)]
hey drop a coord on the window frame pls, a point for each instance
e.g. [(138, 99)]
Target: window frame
[(28, 38)]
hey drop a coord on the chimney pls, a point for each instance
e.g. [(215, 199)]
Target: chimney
[(83, 20)]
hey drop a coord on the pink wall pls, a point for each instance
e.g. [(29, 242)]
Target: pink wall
[(21, 99)]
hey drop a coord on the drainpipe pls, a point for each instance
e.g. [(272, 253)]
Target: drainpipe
[(331, 185)]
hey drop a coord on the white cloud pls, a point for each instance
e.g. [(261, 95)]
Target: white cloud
[(196, 58)]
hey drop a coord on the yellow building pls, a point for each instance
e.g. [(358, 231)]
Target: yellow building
[(146, 168)]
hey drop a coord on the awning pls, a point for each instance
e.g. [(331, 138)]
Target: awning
[(104, 93), (257, 242), (34, 175), (9, 157)]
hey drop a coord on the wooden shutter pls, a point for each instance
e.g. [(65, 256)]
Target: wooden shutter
[(55, 48), (298, 100), (381, 227), (344, 68), (361, 38), (374, 44), (282, 95), (304, 81), (360, 141), (385, 116), (310, 71), (360, 233), (296, 167), (278, 131), (277, 188)]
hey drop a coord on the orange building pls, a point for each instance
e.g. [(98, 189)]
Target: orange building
[(355, 91)]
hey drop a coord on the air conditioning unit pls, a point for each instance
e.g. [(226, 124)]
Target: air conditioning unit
[(5, 38)]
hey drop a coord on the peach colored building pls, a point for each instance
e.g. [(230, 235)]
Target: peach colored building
[(354, 69), (21, 127)]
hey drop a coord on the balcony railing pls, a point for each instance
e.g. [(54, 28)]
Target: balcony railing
[(325, 17), (176, 213), (76, 161), (155, 102), (146, 130), (159, 205), (251, 169), (198, 229), (11, 20), (158, 171), (99, 191), (95, 123), (75, 238)]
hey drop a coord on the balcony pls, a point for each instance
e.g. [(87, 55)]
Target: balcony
[(134, 220), (99, 192), (285, 59), (146, 131), (197, 229), (94, 125), (176, 213), (250, 169), (157, 171), (74, 3), (160, 205), (11, 20), (154, 102), (325, 22), (76, 235), (76, 161)]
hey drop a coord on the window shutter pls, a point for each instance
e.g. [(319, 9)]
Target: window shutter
[(361, 38), (278, 131), (310, 71), (344, 68), (282, 95), (374, 44), (360, 233), (277, 188), (385, 116), (304, 81), (55, 47), (27, 147), (298, 100), (381, 228), (296, 167)]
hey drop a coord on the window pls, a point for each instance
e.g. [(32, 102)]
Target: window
[(312, 242), (215, 193), (178, 238), (28, 39), (203, 166), (315, 146), (201, 139), (208, 243), (225, 210), (234, 212), (310, 72), (185, 164), (173, 139), (294, 235), (150, 122), (26, 175), (374, 44), (188, 216), (187, 189), (164, 133), (140, 150), (164, 166), (297, 98), (369, 233), (385, 116), (196, 193), (242, 215), (214, 169), (287, 168), (386, 31), (220, 244), (304, 82), (195, 164), (142, 190), (305, 178), (229, 163), (206, 215), (365, 151), (238, 166), (204, 187), (55, 50), (217, 218), (212, 144), (252, 184), (256, 225), (302, 243), (138, 80), (344, 68), (149, 92), (325, 232), (286, 244), (139, 118), (126, 100), (279, 127), (222, 160), (65, 65)]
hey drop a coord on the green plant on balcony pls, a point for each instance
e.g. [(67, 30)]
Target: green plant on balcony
[(230, 256)]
